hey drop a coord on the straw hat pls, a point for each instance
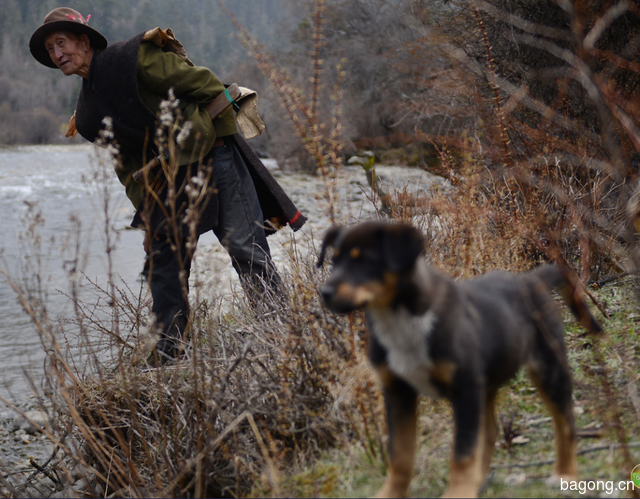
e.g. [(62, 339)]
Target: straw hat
[(62, 19)]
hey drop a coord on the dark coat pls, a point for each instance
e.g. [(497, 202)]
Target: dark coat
[(277, 207), (112, 90), (134, 123)]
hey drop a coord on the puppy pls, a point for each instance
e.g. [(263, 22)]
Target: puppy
[(458, 340)]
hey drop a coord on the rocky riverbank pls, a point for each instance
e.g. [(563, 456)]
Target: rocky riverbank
[(22, 449), (352, 202)]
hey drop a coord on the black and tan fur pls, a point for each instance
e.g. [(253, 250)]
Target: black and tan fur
[(459, 340)]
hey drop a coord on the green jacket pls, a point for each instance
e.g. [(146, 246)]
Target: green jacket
[(194, 87), (127, 82)]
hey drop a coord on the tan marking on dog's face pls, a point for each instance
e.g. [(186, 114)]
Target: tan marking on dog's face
[(355, 253), (443, 372), (358, 296), (375, 293)]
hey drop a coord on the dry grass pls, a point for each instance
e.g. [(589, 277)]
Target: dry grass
[(260, 388)]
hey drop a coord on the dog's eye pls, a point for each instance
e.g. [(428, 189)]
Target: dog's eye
[(355, 253)]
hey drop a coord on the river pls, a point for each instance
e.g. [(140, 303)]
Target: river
[(59, 181)]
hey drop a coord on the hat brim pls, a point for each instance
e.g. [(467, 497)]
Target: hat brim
[(40, 53)]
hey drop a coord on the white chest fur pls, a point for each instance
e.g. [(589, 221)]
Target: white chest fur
[(405, 336)]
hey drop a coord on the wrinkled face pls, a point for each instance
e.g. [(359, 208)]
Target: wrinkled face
[(368, 261), (70, 52)]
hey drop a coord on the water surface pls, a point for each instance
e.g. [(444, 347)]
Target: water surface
[(60, 183)]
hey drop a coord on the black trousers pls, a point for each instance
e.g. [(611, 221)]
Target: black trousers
[(239, 230)]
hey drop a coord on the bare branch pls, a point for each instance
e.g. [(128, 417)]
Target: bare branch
[(603, 23)]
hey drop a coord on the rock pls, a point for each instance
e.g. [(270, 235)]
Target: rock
[(87, 488), (81, 484), (36, 491), (520, 440), (614, 494), (39, 418), (19, 435), (553, 482), (63, 494), (7, 419), (515, 479)]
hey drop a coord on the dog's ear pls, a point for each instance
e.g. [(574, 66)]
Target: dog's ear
[(402, 246), (329, 238)]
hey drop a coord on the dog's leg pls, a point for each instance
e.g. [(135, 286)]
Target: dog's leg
[(554, 385), (401, 402), (490, 430), (470, 441)]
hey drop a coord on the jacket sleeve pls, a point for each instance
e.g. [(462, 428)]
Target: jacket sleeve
[(195, 86), (159, 71)]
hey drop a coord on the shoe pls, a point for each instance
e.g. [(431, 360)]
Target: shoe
[(165, 351)]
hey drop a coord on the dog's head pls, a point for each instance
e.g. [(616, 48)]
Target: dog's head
[(369, 259)]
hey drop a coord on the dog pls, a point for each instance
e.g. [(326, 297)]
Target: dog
[(435, 336)]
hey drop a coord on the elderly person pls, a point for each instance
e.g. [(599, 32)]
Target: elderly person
[(127, 82)]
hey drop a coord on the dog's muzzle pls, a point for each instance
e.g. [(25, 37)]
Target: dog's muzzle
[(335, 301)]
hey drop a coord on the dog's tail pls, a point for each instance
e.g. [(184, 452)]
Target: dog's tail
[(567, 283)]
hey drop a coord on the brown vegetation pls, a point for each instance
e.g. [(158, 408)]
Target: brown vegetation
[(541, 159)]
